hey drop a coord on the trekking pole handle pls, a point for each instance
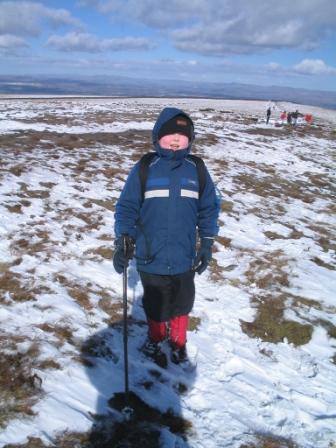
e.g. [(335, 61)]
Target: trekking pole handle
[(128, 246)]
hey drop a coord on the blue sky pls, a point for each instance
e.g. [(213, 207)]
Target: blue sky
[(265, 42)]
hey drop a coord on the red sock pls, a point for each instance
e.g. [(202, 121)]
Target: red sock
[(157, 331), (178, 331)]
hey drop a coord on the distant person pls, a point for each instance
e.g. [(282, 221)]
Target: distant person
[(289, 117), (308, 118), (164, 223), (283, 116), (294, 117), (268, 114)]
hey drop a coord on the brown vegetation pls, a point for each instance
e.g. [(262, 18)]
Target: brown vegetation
[(19, 385), (13, 287), (268, 441)]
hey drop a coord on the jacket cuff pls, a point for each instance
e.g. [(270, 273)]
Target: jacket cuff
[(207, 241)]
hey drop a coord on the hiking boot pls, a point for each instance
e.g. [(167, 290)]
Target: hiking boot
[(153, 351), (179, 355)]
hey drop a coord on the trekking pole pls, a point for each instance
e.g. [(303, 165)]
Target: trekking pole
[(127, 411)]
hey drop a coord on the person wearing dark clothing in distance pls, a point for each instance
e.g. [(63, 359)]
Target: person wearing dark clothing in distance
[(268, 114)]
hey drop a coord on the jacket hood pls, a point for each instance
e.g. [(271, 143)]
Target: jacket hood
[(166, 114)]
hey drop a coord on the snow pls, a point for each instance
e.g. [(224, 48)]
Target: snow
[(10, 126), (242, 386)]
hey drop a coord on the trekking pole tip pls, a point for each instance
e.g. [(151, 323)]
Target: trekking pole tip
[(127, 412)]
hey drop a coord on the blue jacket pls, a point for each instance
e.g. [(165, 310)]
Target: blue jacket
[(165, 223)]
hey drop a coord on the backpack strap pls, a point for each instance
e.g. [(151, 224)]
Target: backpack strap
[(145, 161), (201, 172)]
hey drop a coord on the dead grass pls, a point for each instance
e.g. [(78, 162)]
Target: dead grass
[(320, 132), (269, 272), (105, 237), (48, 185), (324, 182), (323, 264), (33, 442), (64, 440), (274, 236), (49, 364), (204, 140), (222, 240), (11, 285), (110, 307), (270, 275), (226, 206), (325, 236), (93, 222), (216, 271), (64, 333), (18, 170), (81, 296), (15, 208), (299, 302), (106, 204), (302, 306), (25, 192), (80, 293), (275, 187), (32, 241), (19, 385), (4, 267), (270, 441), (86, 294), (104, 252), (269, 324), (28, 141), (194, 323), (317, 131), (266, 132)]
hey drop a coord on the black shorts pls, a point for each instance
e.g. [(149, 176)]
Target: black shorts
[(168, 296)]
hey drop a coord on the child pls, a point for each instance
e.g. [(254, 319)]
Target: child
[(163, 224)]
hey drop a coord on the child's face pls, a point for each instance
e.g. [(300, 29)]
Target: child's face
[(174, 142)]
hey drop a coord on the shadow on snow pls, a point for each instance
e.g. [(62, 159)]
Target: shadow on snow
[(156, 394)]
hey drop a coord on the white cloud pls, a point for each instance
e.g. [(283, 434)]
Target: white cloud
[(152, 13), (314, 67), (88, 43), (273, 66), (25, 18), (221, 27), (8, 42)]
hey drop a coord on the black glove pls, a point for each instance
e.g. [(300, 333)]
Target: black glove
[(124, 251), (203, 255)]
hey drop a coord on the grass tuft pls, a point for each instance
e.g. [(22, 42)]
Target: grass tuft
[(194, 323), (10, 285), (269, 324), (270, 441), (19, 385)]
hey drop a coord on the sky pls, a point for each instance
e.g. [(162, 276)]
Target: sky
[(264, 42)]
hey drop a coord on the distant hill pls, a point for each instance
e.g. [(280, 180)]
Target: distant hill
[(123, 86)]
